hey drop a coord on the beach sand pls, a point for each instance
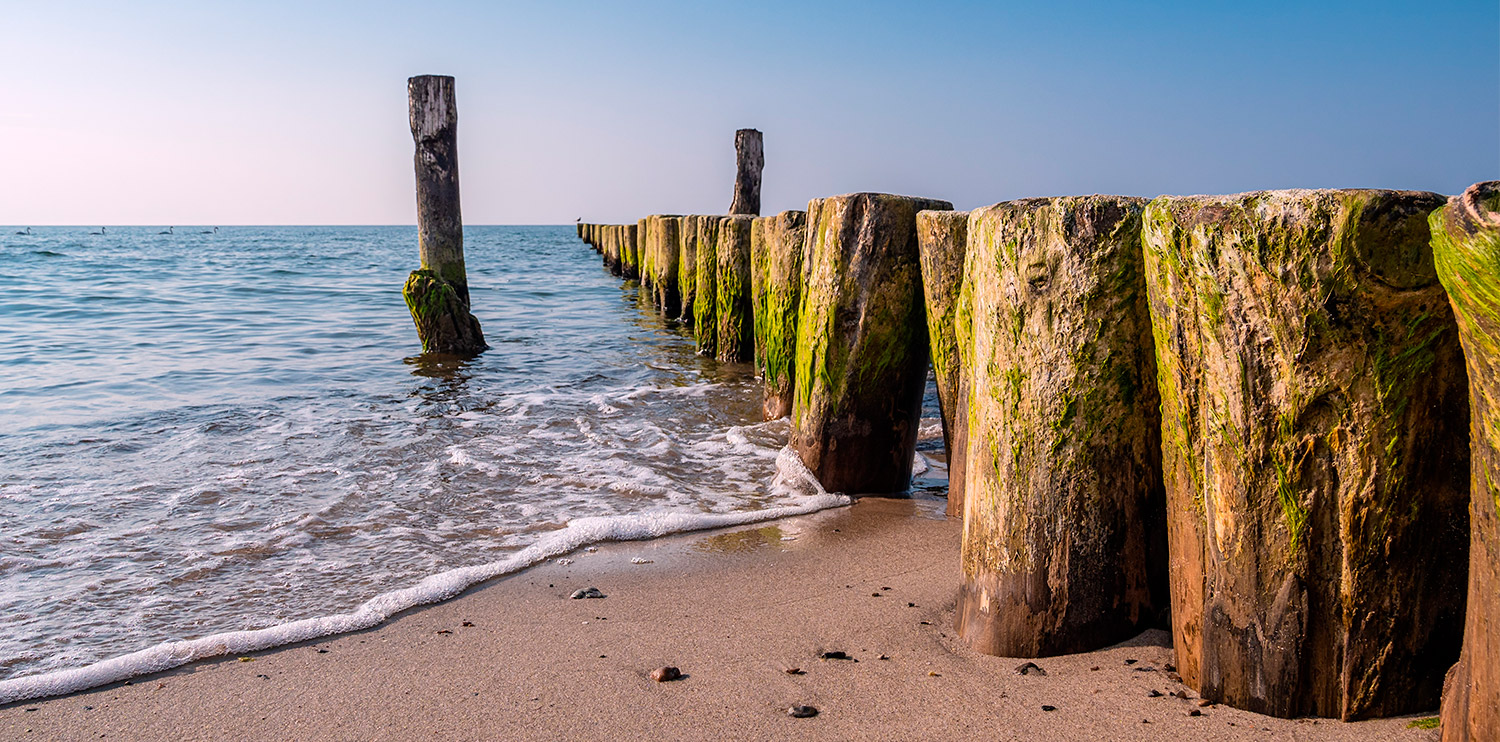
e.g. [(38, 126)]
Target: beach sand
[(734, 609)]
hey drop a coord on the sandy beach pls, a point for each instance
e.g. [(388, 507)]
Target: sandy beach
[(736, 610)]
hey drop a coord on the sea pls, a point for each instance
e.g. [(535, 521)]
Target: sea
[(214, 441)]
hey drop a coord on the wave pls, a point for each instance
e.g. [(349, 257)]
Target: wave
[(792, 479)]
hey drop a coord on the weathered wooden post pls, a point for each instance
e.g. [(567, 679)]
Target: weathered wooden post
[(706, 280), (687, 266), (776, 293), (861, 361), (749, 159), (942, 238), (1466, 250), (438, 294), (661, 262), (1064, 545), (1314, 444), (735, 336)]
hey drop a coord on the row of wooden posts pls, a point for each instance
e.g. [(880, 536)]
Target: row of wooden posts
[(1270, 419), (1247, 416)]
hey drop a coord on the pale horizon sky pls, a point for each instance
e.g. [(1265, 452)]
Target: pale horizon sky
[(276, 112)]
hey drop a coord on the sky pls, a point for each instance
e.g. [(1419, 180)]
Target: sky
[(269, 112)]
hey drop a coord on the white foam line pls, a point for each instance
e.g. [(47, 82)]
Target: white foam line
[(436, 588)]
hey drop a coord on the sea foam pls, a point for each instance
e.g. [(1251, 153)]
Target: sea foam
[(792, 479)]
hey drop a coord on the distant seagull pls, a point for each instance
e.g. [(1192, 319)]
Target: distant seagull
[(214, 231), (169, 231), (27, 232), (101, 230)]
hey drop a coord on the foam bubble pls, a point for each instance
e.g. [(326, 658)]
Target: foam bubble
[(792, 479)]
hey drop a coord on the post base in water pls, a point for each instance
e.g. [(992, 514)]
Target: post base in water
[(443, 320)]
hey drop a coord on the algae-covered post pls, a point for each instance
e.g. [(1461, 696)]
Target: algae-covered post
[(1064, 541), (861, 361), (942, 237), (776, 291), (1314, 446), (438, 293), (750, 159), (687, 265), (734, 338), (706, 282), (662, 262), (1466, 249)]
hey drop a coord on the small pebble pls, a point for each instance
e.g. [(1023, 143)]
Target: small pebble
[(1145, 668), (587, 592), (836, 656), (1169, 667), (1030, 668), (802, 712), (1195, 712), (1204, 703), (247, 659), (1181, 694), (932, 674), (639, 560), (875, 595), (665, 674), (564, 562), (592, 549), (1048, 708), (882, 657), (468, 624), (1130, 662), (911, 605), (1174, 677), (322, 651), (1095, 668), (1154, 693), (795, 671), (443, 631), (884, 588)]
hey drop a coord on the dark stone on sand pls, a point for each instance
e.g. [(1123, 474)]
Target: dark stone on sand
[(1030, 668), (1154, 693), (1048, 708), (802, 712), (836, 656), (587, 592), (666, 674)]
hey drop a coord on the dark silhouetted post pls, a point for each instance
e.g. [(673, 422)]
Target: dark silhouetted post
[(438, 294), (750, 159)]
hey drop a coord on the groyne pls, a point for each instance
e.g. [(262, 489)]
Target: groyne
[(1248, 417)]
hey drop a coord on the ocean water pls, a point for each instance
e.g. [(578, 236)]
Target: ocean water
[(214, 443)]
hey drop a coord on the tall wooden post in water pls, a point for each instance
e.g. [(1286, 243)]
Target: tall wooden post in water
[(750, 159), (438, 293)]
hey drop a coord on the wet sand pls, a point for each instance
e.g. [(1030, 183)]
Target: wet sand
[(733, 609)]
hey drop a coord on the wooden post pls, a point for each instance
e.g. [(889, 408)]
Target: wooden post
[(942, 237), (861, 362), (660, 270), (687, 266), (1314, 446), (735, 341), (706, 281), (438, 294), (750, 159), (1466, 250), (776, 288), (1064, 544)]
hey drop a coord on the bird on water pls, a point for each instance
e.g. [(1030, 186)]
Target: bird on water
[(215, 230), (27, 232), (101, 230), (169, 231)]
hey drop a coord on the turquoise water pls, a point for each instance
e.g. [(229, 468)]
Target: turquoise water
[(214, 432)]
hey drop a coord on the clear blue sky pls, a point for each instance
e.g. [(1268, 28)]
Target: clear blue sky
[(295, 113)]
